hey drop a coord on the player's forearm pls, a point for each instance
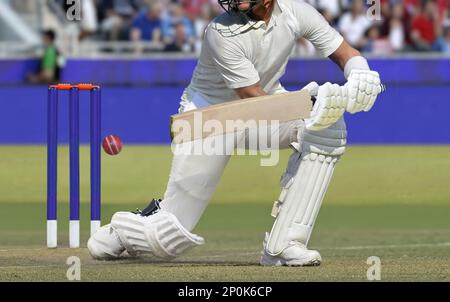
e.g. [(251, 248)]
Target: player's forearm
[(344, 54), (250, 91), (363, 84)]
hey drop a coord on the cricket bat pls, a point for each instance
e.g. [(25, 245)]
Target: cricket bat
[(283, 107)]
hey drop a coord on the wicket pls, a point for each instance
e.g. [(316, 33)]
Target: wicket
[(74, 144)]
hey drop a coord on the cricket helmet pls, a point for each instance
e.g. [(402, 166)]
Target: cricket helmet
[(232, 6)]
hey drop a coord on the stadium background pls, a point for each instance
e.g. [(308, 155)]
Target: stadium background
[(143, 83), (389, 198)]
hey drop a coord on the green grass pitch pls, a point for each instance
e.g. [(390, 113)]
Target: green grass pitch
[(391, 202)]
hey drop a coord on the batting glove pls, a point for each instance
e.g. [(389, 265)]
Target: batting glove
[(363, 88), (331, 103)]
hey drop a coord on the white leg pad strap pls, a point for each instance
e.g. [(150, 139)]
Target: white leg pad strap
[(160, 234), (304, 186)]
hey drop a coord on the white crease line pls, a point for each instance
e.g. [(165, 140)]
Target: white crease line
[(389, 246), (38, 249), (224, 255), (368, 247), (30, 266)]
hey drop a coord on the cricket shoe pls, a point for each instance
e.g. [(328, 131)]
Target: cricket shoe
[(152, 208), (295, 254), (105, 244)]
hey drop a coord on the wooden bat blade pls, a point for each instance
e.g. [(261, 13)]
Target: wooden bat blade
[(283, 107)]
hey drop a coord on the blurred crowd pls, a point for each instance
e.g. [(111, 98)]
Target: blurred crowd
[(178, 25), (170, 25), (394, 26)]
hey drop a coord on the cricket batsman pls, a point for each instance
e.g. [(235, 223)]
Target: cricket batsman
[(244, 54)]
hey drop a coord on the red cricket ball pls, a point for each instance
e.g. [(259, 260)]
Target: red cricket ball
[(112, 144)]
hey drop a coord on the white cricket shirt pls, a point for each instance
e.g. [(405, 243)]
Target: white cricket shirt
[(238, 52)]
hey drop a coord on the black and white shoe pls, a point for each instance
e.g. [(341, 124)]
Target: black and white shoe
[(152, 208)]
